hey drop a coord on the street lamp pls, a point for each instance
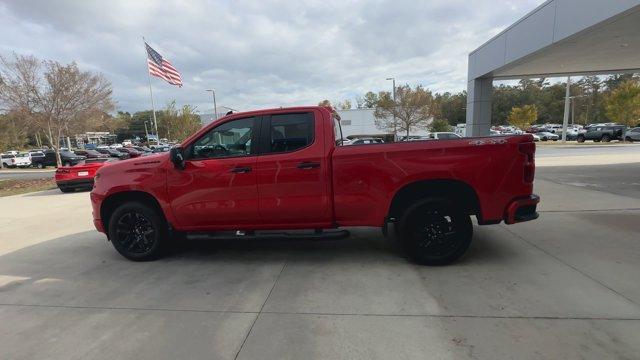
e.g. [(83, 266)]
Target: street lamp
[(215, 107), (395, 129)]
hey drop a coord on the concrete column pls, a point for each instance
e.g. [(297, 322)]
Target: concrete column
[(479, 106)]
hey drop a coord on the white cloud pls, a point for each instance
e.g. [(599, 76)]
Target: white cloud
[(260, 53)]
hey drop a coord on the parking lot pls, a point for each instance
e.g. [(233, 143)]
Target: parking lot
[(562, 287)]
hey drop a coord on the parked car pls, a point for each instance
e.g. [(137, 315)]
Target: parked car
[(572, 134), (545, 136), (160, 149), (364, 141), (413, 138), (80, 176), (131, 151), (281, 169), (68, 158), (443, 136), (142, 149), (113, 153), (632, 135), (91, 154), (535, 137), (37, 157), (13, 161), (604, 133)]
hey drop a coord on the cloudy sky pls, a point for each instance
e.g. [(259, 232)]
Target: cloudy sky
[(260, 53)]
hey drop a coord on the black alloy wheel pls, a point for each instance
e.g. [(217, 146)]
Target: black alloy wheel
[(137, 232), (606, 138), (435, 232)]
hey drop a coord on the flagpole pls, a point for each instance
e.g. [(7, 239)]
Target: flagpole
[(153, 107)]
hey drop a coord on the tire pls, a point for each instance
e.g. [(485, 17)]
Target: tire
[(138, 232), (628, 139), (39, 166), (606, 138), (580, 139), (435, 232)]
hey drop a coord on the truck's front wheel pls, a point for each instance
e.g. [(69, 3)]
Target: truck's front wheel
[(138, 232), (435, 232)]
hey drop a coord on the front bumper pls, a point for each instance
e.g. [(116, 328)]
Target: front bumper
[(522, 209)]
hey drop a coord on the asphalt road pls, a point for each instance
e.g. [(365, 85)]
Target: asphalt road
[(623, 179), (562, 287), (544, 150), (26, 174)]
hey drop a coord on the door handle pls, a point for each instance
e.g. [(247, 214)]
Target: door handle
[(241, 169), (308, 165)]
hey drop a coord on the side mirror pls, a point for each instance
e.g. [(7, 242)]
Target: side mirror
[(177, 158)]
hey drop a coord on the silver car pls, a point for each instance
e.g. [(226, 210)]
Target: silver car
[(632, 135)]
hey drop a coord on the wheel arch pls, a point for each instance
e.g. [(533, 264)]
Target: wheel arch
[(111, 203), (458, 191)]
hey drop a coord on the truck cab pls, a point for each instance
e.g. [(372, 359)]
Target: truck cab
[(285, 169)]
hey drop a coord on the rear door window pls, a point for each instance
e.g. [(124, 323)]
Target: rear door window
[(289, 132)]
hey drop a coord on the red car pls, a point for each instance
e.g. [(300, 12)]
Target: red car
[(80, 176), (255, 173)]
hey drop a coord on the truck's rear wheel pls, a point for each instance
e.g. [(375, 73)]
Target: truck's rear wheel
[(435, 232), (138, 232)]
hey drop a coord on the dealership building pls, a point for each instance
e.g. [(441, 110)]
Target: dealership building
[(557, 39)]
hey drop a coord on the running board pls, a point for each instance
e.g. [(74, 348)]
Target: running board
[(271, 234)]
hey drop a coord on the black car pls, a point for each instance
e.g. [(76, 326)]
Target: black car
[(113, 153), (159, 149), (91, 154), (604, 133), (67, 157)]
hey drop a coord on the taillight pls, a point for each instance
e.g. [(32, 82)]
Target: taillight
[(529, 150)]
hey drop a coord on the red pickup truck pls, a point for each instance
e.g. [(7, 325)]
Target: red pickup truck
[(257, 173)]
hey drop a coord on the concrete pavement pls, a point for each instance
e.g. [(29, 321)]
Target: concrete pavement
[(564, 286)]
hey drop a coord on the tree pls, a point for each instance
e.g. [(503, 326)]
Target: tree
[(344, 105), (439, 125), (370, 100), (179, 124), (413, 109), (592, 86), (623, 104), (54, 96), (452, 107), (524, 116)]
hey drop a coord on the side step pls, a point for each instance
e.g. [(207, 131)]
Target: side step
[(271, 234)]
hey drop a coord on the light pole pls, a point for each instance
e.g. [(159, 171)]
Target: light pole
[(215, 107), (146, 132), (395, 128)]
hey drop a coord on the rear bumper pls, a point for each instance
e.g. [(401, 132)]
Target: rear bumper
[(522, 209), (75, 184)]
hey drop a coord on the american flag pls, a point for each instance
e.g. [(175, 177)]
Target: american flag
[(161, 67)]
